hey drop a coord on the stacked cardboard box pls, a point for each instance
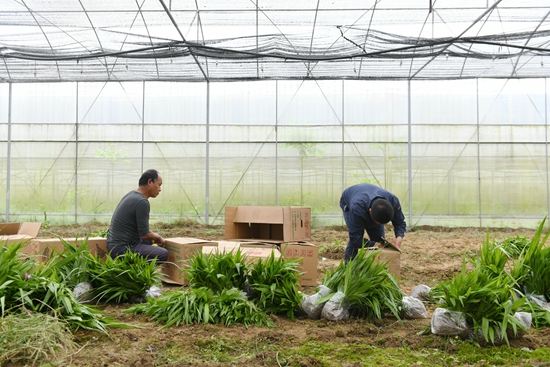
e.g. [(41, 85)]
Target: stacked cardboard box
[(289, 227), (182, 249)]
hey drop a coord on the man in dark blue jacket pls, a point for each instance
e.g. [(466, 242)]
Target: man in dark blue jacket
[(368, 207)]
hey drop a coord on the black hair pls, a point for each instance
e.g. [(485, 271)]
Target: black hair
[(381, 211), (150, 174)]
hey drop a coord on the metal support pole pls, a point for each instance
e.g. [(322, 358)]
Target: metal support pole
[(409, 150), (76, 160), (478, 155), (207, 204), (8, 168), (276, 142), (546, 145)]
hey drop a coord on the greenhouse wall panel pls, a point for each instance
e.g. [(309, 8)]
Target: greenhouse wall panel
[(174, 133), (175, 103), (460, 152), (4, 108), (51, 103), (112, 133), (241, 134), (43, 132)]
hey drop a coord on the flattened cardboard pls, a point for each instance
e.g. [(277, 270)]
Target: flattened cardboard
[(279, 223), (180, 249)]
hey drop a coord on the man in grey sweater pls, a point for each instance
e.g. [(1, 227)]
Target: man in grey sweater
[(129, 229)]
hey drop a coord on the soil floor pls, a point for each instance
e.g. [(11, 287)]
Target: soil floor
[(429, 255)]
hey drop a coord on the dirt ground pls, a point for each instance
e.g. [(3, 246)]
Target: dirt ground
[(430, 254)]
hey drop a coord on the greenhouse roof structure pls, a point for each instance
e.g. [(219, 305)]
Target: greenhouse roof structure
[(221, 40)]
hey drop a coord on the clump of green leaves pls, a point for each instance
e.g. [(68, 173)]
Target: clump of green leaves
[(32, 338), (26, 286), (486, 294), (492, 258), (203, 305), (274, 282), (514, 246), (369, 288), (218, 270), (125, 278), (488, 302), (102, 233), (531, 270), (73, 265)]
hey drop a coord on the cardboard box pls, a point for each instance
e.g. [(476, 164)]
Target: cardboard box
[(20, 232), (279, 223), (309, 255), (45, 248), (392, 257), (98, 247), (180, 249)]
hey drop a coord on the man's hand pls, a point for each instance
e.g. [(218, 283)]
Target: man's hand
[(154, 238), (397, 243), (160, 241)]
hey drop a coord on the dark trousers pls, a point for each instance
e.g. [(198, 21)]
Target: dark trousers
[(144, 248), (375, 233)]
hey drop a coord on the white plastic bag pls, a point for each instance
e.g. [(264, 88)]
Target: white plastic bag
[(153, 292), (421, 292), (450, 323), (336, 308), (539, 300), (83, 292), (413, 308), (309, 303)]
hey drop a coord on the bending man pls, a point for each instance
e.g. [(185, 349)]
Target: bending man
[(129, 228), (368, 207)]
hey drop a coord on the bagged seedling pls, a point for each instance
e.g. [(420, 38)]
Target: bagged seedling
[(526, 319), (336, 308), (498, 338), (539, 300), (421, 292), (413, 308), (310, 304), (83, 292), (450, 323), (153, 292)]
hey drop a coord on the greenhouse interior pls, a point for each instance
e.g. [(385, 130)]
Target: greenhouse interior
[(276, 103)]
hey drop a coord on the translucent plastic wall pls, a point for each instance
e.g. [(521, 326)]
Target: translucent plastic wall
[(459, 153)]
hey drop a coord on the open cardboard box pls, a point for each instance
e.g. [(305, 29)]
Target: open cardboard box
[(20, 232), (279, 223)]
